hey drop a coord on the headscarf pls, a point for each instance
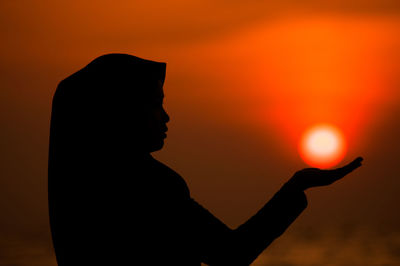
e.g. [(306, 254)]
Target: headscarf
[(95, 138)]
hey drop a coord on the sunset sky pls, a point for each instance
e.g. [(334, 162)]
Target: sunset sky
[(245, 80)]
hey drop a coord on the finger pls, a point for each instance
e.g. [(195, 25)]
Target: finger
[(338, 173), (351, 166)]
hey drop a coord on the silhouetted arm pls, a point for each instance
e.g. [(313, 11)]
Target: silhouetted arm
[(220, 245)]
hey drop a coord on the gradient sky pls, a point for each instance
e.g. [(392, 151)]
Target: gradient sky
[(244, 80)]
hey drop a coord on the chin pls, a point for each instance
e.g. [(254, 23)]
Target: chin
[(156, 146)]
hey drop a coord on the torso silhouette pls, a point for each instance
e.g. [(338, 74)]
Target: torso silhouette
[(149, 218)]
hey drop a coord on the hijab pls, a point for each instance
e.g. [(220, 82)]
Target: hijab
[(96, 137)]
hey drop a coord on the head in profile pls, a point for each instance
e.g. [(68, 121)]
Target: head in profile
[(105, 118), (113, 106)]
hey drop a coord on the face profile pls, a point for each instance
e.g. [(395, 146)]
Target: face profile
[(157, 118), (117, 108)]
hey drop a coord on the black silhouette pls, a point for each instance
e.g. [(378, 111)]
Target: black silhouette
[(112, 203)]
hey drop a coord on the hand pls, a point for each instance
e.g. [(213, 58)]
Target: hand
[(314, 177)]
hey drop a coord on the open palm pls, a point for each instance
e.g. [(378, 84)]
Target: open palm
[(315, 177)]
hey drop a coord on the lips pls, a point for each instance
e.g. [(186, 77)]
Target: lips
[(164, 132)]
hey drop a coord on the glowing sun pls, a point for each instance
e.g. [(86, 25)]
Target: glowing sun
[(322, 146)]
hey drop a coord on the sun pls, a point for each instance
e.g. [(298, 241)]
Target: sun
[(322, 146)]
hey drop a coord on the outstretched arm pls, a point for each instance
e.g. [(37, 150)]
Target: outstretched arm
[(220, 245)]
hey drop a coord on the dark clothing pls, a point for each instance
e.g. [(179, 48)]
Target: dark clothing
[(149, 218)]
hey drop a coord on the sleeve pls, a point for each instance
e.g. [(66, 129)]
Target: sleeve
[(220, 245)]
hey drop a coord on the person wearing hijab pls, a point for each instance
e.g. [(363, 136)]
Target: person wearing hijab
[(112, 203)]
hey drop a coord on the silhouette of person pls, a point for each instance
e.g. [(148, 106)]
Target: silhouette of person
[(112, 203)]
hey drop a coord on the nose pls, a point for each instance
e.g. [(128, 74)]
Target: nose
[(165, 116)]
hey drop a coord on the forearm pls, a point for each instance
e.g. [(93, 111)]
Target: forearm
[(247, 242)]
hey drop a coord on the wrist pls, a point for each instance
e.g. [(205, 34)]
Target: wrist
[(293, 185)]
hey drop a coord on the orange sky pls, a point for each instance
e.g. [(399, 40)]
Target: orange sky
[(244, 80)]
